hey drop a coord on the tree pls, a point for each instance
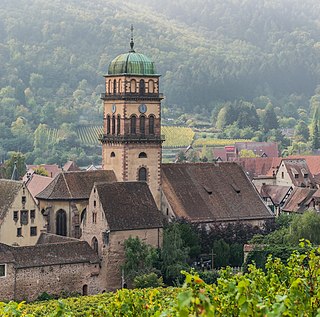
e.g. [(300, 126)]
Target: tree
[(18, 159), (269, 119), (301, 133), (221, 251), (140, 258)]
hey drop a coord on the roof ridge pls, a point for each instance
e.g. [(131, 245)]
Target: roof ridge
[(67, 184)]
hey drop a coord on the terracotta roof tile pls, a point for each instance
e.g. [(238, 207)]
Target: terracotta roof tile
[(75, 185), (299, 200), (129, 205), (259, 148), (37, 183), (313, 162), (207, 192)]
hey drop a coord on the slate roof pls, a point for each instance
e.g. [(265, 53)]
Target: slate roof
[(258, 166), (49, 254), (276, 193), (75, 185), (299, 167), (299, 200), (128, 206), (8, 191), (208, 192)]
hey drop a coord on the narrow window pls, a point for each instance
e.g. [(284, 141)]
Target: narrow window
[(133, 85), (151, 124), (108, 124), (94, 217), (133, 123), (24, 217), (19, 232), (282, 174), (142, 124), (109, 87), (142, 87), (2, 270), (114, 86), (16, 215), (32, 214), (94, 244), (113, 124), (151, 86), (119, 86), (83, 214), (142, 174), (33, 231), (23, 200), (85, 290), (112, 154), (61, 223), (118, 124)]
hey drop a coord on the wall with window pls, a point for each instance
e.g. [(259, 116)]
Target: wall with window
[(23, 221)]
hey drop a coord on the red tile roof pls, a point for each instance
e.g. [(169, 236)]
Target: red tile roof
[(299, 200), (208, 192), (259, 148), (52, 169), (37, 183), (276, 193), (313, 162)]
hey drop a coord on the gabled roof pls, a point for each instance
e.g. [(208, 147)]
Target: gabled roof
[(37, 183), (258, 166), (299, 200), (8, 191), (70, 166), (269, 149), (52, 169), (208, 192), (299, 172), (313, 162), (276, 193), (128, 206), (74, 185), (49, 254)]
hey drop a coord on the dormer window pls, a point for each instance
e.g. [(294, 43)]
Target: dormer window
[(296, 175), (305, 175)]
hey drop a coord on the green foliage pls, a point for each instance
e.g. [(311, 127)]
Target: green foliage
[(147, 281), (221, 251), (18, 159)]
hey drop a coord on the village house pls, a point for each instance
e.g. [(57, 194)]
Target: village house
[(20, 219)]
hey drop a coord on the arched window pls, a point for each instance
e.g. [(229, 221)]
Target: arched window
[(113, 124), (61, 223), (112, 154), (151, 124), (142, 87), (83, 214), (133, 125), (119, 86), (109, 86), (114, 86), (118, 124), (151, 86), (142, 155), (142, 174), (85, 290), (94, 244), (108, 124), (133, 85), (142, 124)]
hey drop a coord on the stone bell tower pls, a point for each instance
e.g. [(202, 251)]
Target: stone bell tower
[(132, 141)]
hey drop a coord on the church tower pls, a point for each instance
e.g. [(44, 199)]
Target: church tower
[(132, 141)]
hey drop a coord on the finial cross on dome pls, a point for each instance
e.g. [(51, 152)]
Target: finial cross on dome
[(131, 42)]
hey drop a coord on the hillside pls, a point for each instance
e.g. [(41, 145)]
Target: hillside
[(53, 56)]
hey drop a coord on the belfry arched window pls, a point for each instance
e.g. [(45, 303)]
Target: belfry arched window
[(108, 124), (133, 124), (61, 223), (142, 155), (151, 124), (142, 124), (151, 86), (133, 85), (118, 124), (113, 124), (142, 87), (119, 86), (114, 86), (142, 177)]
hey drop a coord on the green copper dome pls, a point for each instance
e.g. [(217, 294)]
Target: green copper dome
[(132, 63)]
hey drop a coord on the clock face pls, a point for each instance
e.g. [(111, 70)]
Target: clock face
[(114, 108), (143, 108)]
